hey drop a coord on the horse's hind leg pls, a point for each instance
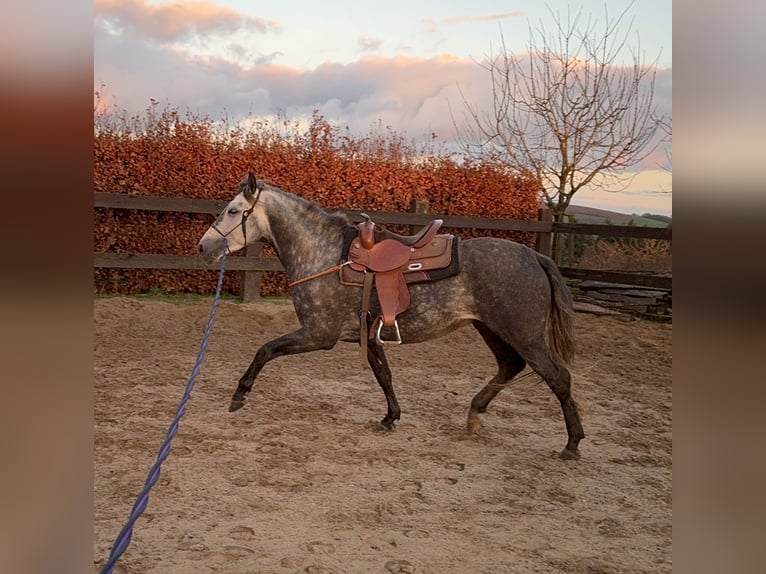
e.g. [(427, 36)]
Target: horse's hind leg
[(509, 364), (379, 364), (559, 380)]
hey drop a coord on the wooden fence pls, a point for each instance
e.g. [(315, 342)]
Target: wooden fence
[(253, 266)]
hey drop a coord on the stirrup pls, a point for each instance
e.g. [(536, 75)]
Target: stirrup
[(379, 341)]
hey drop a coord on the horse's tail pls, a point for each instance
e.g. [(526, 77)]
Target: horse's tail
[(561, 317)]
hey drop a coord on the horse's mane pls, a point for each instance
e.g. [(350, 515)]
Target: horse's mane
[(309, 208)]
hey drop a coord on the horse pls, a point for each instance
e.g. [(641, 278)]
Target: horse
[(513, 296)]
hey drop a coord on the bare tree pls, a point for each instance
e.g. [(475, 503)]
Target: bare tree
[(568, 111), (666, 126)]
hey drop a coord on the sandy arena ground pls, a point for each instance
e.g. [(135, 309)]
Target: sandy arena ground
[(302, 480)]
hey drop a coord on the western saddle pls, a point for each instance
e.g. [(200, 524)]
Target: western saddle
[(388, 262)]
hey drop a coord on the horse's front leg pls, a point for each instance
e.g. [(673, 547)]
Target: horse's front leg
[(300, 341), (382, 371)]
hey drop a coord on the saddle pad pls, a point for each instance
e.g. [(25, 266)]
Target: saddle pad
[(438, 260)]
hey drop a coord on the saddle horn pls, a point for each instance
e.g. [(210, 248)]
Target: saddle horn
[(367, 231)]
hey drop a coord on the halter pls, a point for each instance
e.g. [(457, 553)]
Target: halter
[(242, 223)]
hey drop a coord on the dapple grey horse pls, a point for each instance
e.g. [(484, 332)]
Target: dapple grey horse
[(513, 296)]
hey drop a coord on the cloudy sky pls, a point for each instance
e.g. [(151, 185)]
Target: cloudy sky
[(364, 65)]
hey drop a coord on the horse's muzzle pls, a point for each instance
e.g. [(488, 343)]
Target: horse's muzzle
[(209, 253)]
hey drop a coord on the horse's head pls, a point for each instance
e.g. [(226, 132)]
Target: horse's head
[(242, 222)]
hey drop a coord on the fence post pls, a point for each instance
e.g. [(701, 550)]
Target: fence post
[(417, 206), (543, 239), (571, 242), (250, 281)]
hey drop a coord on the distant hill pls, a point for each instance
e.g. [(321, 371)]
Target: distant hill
[(584, 214), (658, 217)]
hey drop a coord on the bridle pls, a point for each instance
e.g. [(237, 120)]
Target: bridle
[(242, 223)]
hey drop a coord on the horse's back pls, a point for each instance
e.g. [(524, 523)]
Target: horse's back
[(506, 279), (489, 259)]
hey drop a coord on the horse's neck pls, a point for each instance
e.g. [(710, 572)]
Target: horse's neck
[(306, 240)]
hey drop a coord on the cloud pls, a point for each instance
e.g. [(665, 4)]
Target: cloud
[(483, 17), (414, 96), (367, 44), (175, 21), (408, 94)]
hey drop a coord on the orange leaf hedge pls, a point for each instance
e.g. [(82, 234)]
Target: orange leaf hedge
[(163, 153)]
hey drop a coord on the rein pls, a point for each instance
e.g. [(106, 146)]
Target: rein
[(332, 269), (122, 541)]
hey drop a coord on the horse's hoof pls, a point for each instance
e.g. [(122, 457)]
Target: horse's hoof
[(387, 425), (474, 423), (235, 405), (567, 454)]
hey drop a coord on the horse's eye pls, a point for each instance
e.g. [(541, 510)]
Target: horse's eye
[(234, 211)]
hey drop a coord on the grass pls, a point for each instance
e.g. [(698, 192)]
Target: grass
[(157, 294), (629, 255)]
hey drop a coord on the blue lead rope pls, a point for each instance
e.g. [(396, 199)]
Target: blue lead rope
[(123, 539)]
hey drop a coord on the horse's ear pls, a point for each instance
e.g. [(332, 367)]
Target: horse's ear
[(252, 187)]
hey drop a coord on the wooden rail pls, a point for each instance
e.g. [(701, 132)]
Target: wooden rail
[(157, 203), (614, 230), (253, 266), (160, 261), (214, 207), (623, 277)]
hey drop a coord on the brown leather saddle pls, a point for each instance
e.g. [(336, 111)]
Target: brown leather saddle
[(388, 262)]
